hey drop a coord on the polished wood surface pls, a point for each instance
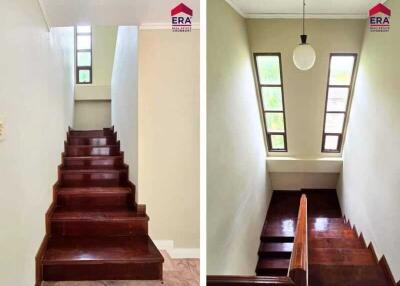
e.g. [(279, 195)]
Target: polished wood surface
[(278, 234), (94, 228), (176, 272), (248, 281), (298, 269), (337, 255)]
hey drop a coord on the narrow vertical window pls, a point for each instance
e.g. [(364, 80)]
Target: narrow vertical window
[(83, 54), (270, 84), (340, 80)]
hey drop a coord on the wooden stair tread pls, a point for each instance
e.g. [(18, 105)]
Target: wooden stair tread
[(94, 183), (323, 275), (276, 247), (283, 228), (340, 256), (94, 190), (100, 249), (328, 220), (333, 233), (273, 263), (90, 133), (93, 146), (91, 158), (335, 243), (98, 214), (95, 170)]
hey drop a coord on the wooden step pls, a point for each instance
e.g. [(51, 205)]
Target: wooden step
[(333, 233), (340, 256), (279, 231), (102, 258), (94, 141), (95, 197), (272, 267), (94, 177), (91, 133), (275, 249), (98, 222), (325, 223), (325, 220), (350, 275), (321, 227), (335, 243), (93, 162), (87, 150)]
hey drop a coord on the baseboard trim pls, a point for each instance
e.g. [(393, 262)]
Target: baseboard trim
[(177, 253)]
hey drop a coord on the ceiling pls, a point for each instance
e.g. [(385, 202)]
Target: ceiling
[(293, 8), (113, 12)]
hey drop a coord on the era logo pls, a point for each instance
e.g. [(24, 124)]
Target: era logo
[(379, 18), (181, 18)]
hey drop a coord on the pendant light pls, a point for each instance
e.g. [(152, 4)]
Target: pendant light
[(304, 54)]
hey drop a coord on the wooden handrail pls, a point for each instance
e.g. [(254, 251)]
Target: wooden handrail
[(225, 280), (298, 269)]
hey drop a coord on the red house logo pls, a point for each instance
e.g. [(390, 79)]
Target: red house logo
[(181, 17), (379, 18)]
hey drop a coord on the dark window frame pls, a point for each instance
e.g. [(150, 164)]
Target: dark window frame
[(264, 111), (83, 68), (346, 112)]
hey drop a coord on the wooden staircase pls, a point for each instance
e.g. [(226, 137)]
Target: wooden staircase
[(337, 255), (94, 228), (278, 234)]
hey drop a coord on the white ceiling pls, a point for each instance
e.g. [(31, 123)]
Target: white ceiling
[(113, 12), (293, 8)]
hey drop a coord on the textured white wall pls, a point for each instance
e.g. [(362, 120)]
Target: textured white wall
[(124, 96), (238, 187), (36, 103), (369, 186)]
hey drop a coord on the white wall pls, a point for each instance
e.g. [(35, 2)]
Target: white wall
[(369, 186), (36, 103), (238, 187), (169, 135), (92, 114), (124, 96)]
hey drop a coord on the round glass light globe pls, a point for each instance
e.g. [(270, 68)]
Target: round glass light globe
[(304, 57)]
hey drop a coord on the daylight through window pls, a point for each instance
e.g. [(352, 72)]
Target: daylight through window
[(269, 74), (340, 79), (83, 56)]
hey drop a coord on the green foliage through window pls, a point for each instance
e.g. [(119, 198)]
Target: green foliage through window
[(269, 69), (271, 92)]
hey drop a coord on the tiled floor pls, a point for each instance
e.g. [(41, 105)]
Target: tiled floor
[(177, 272)]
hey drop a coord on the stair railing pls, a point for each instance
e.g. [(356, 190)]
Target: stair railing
[(298, 268)]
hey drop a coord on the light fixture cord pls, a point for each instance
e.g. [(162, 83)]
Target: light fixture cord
[(304, 15)]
